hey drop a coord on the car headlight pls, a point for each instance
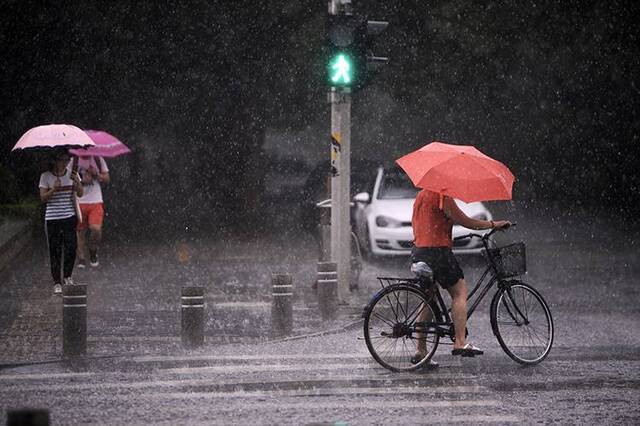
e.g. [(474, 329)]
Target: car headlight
[(480, 216), (387, 222)]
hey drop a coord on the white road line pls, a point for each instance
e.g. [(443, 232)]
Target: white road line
[(342, 391), (43, 376), (247, 357), (265, 367), (354, 404), (210, 381)]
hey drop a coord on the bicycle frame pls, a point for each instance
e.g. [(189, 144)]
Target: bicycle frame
[(446, 328)]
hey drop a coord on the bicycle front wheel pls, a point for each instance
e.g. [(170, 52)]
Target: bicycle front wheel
[(396, 327), (522, 323)]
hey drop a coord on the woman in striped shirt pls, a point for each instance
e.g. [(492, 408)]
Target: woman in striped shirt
[(57, 189)]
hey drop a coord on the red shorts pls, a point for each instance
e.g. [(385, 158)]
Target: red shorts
[(92, 214)]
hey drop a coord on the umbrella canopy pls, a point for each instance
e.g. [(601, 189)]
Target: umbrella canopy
[(106, 145), (52, 136), (458, 171)]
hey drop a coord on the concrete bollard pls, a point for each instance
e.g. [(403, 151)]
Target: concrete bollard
[(192, 303), (74, 320), (328, 289), (282, 304), (28, 417)]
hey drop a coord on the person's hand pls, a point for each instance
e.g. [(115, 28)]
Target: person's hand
[(93, 171), (501, 224), (87, 178), (75, 177)]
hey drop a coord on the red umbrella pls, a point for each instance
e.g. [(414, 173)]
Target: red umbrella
[(52, 136), (458, 171), (106, 145)]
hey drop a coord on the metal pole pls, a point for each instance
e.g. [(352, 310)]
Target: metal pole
[(327, 289), (281, 304), (340, 188), (192, 319), (341, 172), (74, 320)]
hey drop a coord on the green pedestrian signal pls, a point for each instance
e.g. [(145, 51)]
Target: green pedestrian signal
[(349, 40), (341, 70)]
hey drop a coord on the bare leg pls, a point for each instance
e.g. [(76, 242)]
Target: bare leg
[(459, 311), (423, 316), (95, 237)]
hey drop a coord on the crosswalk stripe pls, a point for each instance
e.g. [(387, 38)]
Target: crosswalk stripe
[(354, 404), (43, 376), (237, 383), (247, 357), (457, 389)]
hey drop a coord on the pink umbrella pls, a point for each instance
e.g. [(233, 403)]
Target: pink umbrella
[(106, 145), (53, 135)]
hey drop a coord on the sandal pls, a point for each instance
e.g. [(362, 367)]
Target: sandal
[(467, 350)]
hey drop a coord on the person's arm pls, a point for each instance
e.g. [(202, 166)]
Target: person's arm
[(103, 171), (77, 185), (458, 217), (46, 194), (104, 177)]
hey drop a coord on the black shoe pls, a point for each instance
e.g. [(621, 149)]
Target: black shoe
[(93, 258)]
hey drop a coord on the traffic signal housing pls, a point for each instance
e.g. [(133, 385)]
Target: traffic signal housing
[(351, 62)]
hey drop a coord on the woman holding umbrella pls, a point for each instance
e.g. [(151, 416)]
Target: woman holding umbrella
[(445, 172), (58, 188)]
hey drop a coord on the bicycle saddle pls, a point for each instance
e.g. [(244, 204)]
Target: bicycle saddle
[(422, 270)]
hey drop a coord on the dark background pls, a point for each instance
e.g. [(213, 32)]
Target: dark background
[(551, 88)]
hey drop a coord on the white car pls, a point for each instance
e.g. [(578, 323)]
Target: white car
[(383, 218)]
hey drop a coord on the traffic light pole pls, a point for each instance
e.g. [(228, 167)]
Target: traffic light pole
[(340, 187), (340, 99)]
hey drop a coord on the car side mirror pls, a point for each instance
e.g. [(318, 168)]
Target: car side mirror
[(362, 197)]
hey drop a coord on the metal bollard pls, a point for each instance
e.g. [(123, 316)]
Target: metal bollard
[(28, 417), (74, 320), (328, 289), (282, 304), (192, 316)]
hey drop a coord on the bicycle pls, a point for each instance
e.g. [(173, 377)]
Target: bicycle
[(520, 318), (356, 261)]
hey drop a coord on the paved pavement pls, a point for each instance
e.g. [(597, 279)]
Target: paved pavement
[(137, 372)]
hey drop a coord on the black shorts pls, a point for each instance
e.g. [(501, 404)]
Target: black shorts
[(442, 261)]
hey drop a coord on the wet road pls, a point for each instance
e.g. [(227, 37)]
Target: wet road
[(591, 376)]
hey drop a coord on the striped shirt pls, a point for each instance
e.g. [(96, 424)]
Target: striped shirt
[(61, 205)]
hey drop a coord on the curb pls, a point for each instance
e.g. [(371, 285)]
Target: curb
[(16, 244)]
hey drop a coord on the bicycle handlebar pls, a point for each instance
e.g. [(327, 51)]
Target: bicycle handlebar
[(485, 236)]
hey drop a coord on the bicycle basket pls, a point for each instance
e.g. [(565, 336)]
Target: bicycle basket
[(510, 260)]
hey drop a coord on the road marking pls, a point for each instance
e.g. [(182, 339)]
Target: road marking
[(41, 376), (150, 383), (342, 391), (263, 367), (246, 357), (353, 404)]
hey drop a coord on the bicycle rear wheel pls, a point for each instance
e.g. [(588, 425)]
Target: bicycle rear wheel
[(522, 323), (392, 330)]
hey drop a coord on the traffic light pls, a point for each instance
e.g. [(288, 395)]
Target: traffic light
[(342, 68), (350, 60)]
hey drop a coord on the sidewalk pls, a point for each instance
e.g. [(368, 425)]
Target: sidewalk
[(134, 296)]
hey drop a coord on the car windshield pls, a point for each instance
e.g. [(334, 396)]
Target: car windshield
[(396, 185)]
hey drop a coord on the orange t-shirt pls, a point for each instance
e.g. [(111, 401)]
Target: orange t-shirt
[(431, 228)]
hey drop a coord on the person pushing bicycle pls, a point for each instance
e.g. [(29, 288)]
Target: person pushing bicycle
[(433, 218)]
